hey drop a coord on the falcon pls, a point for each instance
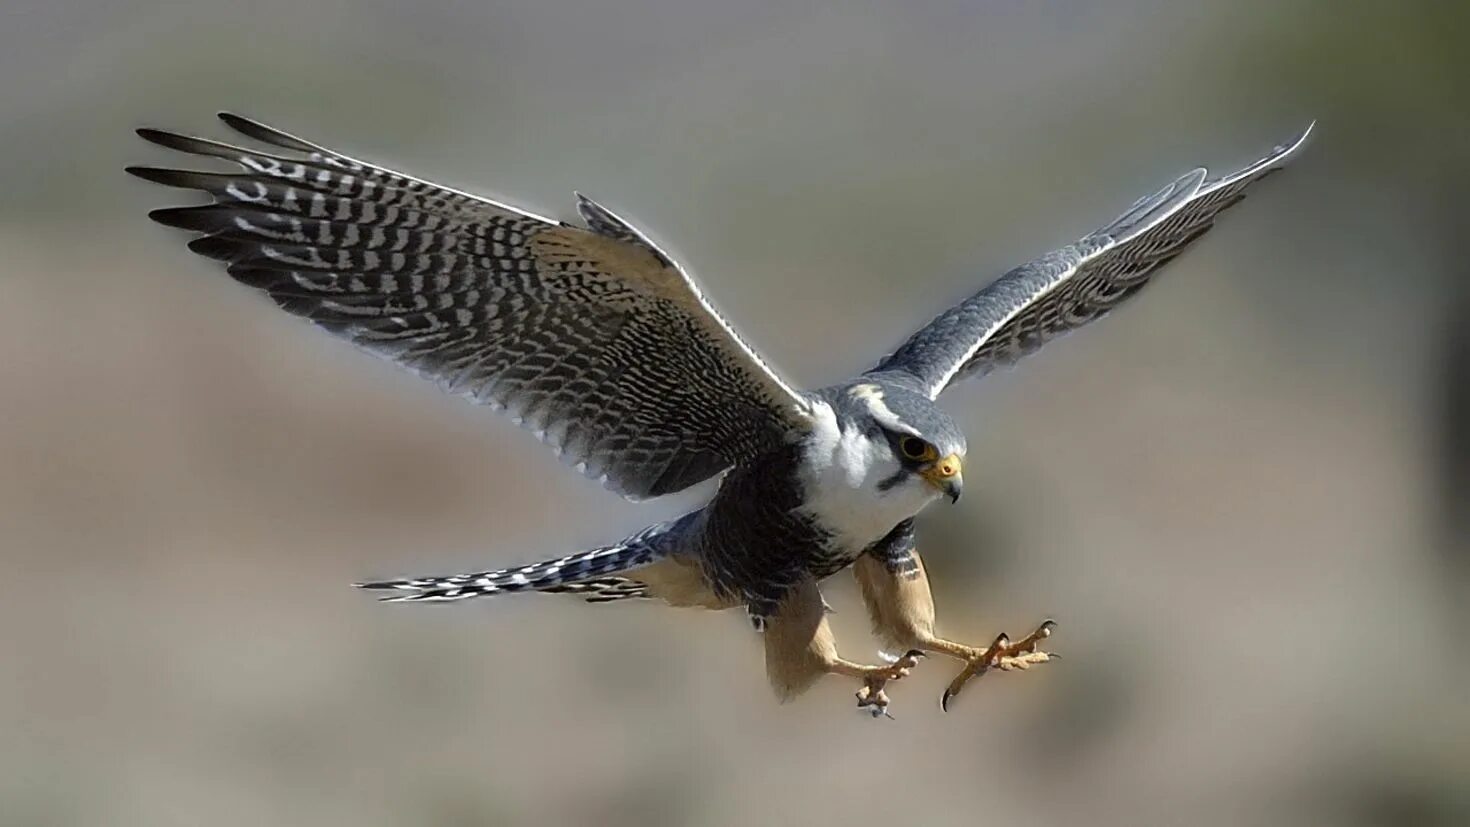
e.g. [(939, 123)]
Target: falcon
[(594, 338)]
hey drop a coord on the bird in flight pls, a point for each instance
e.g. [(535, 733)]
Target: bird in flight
[(599, 342)]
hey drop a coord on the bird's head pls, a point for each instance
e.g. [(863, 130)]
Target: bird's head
[(912, 450)]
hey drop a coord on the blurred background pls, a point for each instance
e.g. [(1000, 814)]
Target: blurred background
[(1246, 496)]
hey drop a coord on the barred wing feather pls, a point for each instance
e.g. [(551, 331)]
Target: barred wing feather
[(593, 338), (1065, 289)]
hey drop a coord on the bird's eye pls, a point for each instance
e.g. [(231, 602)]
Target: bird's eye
[(915, 448)]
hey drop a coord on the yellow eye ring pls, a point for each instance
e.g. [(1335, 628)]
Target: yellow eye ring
[(917, 449)]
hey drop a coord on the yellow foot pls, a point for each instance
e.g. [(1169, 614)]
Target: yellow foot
[(1005, 656), (871, 696)]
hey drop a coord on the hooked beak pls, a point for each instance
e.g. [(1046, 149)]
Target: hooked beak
[(945, 475)]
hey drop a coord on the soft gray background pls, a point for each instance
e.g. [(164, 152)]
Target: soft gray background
[(1237, 494)]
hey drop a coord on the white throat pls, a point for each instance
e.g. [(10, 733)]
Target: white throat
[(840, 471)]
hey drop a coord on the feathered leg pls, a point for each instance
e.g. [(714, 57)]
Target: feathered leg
[(800, 648), (896, 591)]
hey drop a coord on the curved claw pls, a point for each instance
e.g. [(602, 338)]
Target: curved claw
[(975, 668), (1028, 644), (901, 667), (1004, 655)]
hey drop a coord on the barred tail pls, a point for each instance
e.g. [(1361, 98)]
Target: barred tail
[(603, 589), (585, 573)]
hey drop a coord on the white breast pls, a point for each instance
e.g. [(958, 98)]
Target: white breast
[(840, 473)]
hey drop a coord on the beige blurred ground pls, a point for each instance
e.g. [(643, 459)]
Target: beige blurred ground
[(1227, 493)]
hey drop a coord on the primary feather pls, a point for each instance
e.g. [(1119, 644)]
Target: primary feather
[(1063, 290), (593, 338)]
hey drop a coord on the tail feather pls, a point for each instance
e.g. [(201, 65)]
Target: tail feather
[(604, 589), (585, 573)]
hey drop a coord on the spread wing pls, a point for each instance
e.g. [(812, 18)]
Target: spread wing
[(1065, 289), (593, 338)]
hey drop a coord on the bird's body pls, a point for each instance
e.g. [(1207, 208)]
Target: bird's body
[(602, 345), (802, 510)]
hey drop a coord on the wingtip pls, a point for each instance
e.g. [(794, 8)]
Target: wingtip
[(155, 136), (252, 128), (154, 175), (183, 143), (1299, 140), (167, 216), (245, 126), (219, 249), (184, 218), (234, 121)]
